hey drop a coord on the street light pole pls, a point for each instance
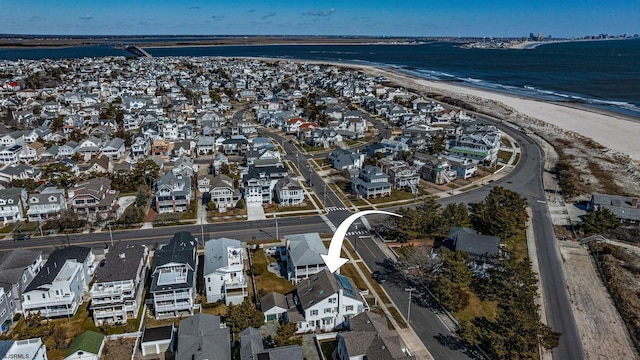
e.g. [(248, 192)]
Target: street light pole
[(409, 306), (355, 245), (277, 234)]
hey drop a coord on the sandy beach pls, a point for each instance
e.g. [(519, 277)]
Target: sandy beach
[(614, 131)]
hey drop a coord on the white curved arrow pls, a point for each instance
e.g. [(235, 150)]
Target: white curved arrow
[(333, 259)]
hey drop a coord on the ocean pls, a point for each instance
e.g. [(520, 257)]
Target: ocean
[(604, 74)]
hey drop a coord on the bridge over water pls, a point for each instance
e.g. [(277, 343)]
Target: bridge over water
[(135, 50)]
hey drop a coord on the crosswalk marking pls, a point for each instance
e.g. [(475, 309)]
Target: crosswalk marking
[(334, 208), (359, 232)]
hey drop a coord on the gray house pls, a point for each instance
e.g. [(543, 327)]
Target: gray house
[(371, 182), (203, 336), (17, 269), (252, 347), (625, 208), (304, 258)]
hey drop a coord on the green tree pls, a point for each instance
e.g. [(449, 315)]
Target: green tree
[(451, 283), (211, 206), (599, 221), (436, 144), (243, 315), (146, 173), (241, 204), (502, 213), (286, 335), (455, 215)]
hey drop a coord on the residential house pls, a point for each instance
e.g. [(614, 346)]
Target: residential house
[(206, 145), (10, 154), (344, 159), (6, 311), (259, 183), (481, 248), (86, 346), (161, 147), (403, 175), (275, 306), (625, 208), (140, 147), (116, 295), (93, 196), (68, 149), (19, 172), (203, 336), (327, 300), (252, 347), (438, 171), (32, 152), (325, 138), (371, 183), (18, 267), (464, 168), (224, 271), (30, 349), (223, 193), (235, 146), (46, 204), (89, 147), (173, 286), (184, 166), (479, 147), (57, 290), (114, 148), (172, 193), (303, 255), (289, 192), (369, 337), (12, 204), (158, 340)]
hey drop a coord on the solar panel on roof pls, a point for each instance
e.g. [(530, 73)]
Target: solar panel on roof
[(345, 284)]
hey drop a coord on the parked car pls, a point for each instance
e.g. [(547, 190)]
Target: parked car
[(378, 276), (21, 237)]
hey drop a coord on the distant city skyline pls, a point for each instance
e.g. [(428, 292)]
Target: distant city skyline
[(488, 18)]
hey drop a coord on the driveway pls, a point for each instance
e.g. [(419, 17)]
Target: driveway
[(255, 211)]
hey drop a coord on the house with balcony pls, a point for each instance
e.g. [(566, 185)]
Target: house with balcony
[(224, 271), (6, 313), (116, 295), (480, 147), (93, 196), (32, 152), (303, 255), (114, 148), (371, 182), (89, 147), (403, 175), (30, 349), (140, 147), (173, 284), (12, 204), (10, 154), (344, 159), (259, 183), (289, 192), (47, 204), (172, 193), (223, 193), (18, 267), (327, 300), (57, 290), (68, 149)]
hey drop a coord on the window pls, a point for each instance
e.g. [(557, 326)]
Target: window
[(28, 297), (209, 288), (313, 312), (332, 300), (4, 311), (44, 296), (349, 308), (208, 279), (327, 310)]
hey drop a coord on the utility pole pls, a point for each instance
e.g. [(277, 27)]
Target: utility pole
[(110, 234), (277, 234), (409, 306), (324, 195), (355, 243), (202, 233)]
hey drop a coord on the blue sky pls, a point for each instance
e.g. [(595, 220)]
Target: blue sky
[(558, 18)]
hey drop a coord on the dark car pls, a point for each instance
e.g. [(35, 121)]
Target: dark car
[(378, 276), (21, 237)]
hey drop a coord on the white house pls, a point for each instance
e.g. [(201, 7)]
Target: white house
[(224, 271), (12, 206), (30, 349), (47, 204), (289, 192), (58, 288), (157, 340), (327, 300), (114, 149), (116, 295), (303, 255)]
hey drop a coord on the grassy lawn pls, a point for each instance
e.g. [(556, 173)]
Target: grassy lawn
[(338, 192), (7, 229), (351, 142), (322, 163), (396, 195), (310, 148), (477, 308), (517, 246), (504, 156), (374, 284), (216, 308), (229, 212), (267, 282), (26, 227), (192, 213), (350, 249), (396, 315)]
